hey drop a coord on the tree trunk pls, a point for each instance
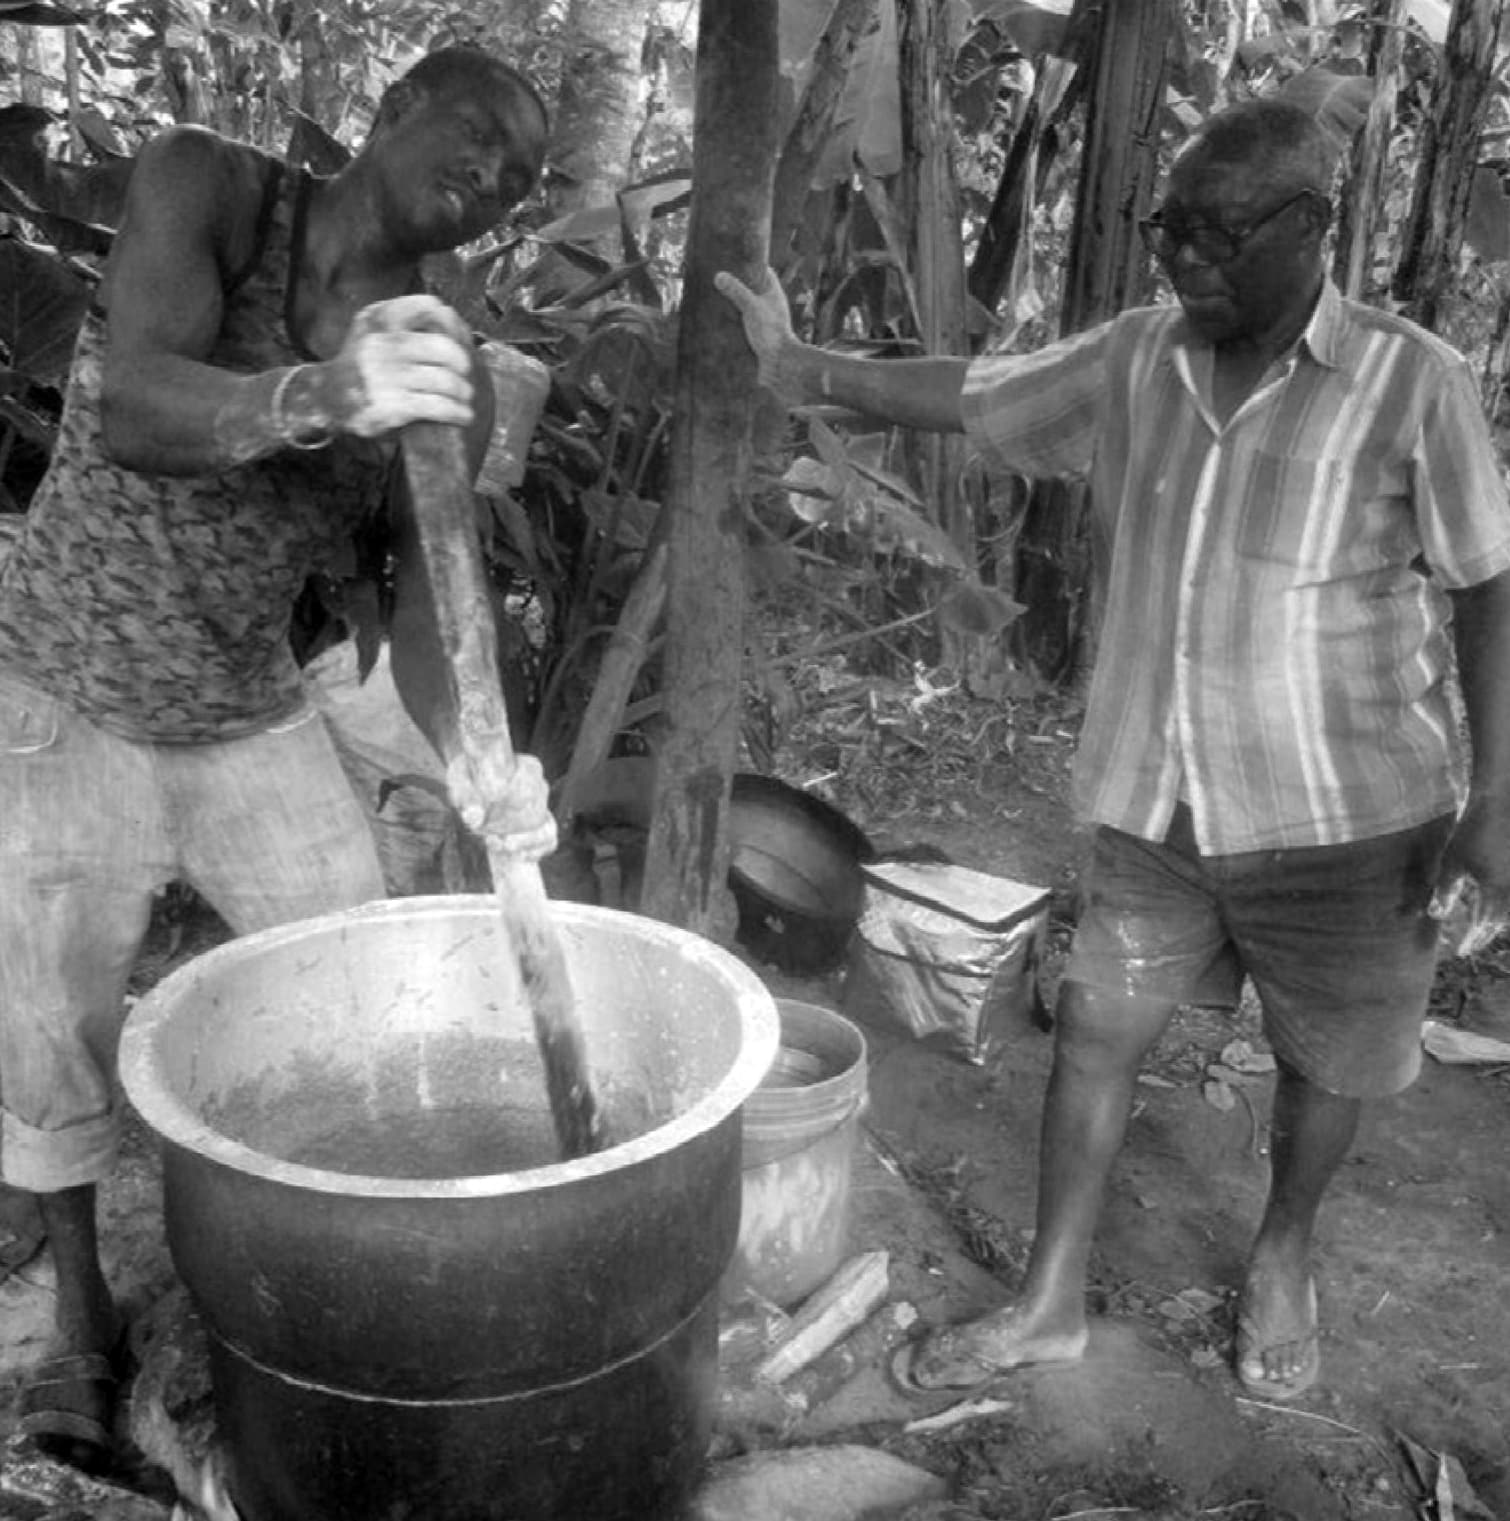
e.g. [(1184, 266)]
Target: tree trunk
[(319, 98), (930, 211), (518, 32), (29, 75), (803, 149), (1107, 271), (71, 89), (1363, 206), (1235, 27), (598, 109), (185, 58), (1007, 235), (1448, 149), (733, 154)]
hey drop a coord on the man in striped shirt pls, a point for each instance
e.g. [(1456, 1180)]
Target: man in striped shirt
[(1305, 521)]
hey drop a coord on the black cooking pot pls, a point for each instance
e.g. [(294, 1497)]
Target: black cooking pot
[(794, 871), (794, 860)]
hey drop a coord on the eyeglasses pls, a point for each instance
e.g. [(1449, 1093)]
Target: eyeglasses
[(1210, 242)]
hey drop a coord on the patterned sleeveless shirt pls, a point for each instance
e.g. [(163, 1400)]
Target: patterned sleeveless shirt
[(159, 606)]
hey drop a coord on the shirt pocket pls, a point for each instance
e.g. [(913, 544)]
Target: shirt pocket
[(29, 719), (1324, 518), (1292, 510)]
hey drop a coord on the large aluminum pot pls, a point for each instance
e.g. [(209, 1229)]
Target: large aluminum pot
[(533, 1340)]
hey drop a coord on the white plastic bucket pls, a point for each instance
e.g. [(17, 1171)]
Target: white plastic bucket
[(799, 1129)]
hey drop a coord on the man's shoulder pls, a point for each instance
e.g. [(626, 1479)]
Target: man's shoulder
[(1137, 337), (189, 145), (192, 190), (1430, 349), (1133, 328), (1156, 315), (193, 159), (1144, 326)]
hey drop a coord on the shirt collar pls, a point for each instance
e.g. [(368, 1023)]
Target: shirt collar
[(1321, 335), (1323, 332)]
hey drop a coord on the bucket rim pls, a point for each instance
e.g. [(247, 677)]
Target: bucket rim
[(792, 1012), (788, 1116), (175, 1122)]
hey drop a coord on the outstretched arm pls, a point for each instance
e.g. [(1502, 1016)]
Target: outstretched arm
[(912, 393)]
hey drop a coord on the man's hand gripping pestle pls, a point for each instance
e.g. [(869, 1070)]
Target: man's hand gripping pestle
[(445, 520)]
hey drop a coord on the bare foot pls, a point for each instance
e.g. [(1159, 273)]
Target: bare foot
[(962, 1356), (1277, 1347)]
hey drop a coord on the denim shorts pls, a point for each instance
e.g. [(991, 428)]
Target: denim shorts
[(266, 827), (1335, 938)]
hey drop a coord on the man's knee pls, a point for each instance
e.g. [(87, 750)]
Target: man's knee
[(1104, 1027)]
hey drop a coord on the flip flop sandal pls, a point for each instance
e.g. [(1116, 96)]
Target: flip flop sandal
[(979, 1374), (903, 1377), (1249, 1339), (67, 1408)]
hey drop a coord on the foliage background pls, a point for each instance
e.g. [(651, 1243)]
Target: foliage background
[(863, 582)]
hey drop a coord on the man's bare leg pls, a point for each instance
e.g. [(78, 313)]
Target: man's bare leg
[(68, 1400), (1100, 1039), (1313, 1131), (85, 1318)]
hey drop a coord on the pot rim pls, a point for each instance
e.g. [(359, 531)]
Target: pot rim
[(174, 1122)]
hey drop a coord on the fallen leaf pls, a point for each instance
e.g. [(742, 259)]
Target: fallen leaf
[(1240, 1055), (1218, 1094), (1188, 1302), (1439, 1481), (1200, 1299), (1446, 1510), (1421, 1463), (1455, 1498)]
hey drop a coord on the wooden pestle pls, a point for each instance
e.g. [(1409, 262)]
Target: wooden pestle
[(446, 523)]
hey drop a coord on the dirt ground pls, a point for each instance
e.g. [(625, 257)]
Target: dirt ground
[(1411, 1258)]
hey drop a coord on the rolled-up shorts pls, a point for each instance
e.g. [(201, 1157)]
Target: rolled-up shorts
[(266, 827), (1335, 938)]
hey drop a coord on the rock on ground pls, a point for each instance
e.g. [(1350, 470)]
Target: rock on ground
[(841, 1483), (33, 1488)]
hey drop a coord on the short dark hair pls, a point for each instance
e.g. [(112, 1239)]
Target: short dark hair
[(1282, 140), (467, 64)]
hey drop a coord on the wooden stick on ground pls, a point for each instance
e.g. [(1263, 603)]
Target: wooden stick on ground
[(445, 519), (846, 1300)]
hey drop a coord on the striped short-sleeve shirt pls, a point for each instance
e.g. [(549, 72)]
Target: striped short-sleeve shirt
[(1275, 642)]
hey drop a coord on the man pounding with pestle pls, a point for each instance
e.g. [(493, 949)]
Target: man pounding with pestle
[(1304, 516), (230, 417)]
